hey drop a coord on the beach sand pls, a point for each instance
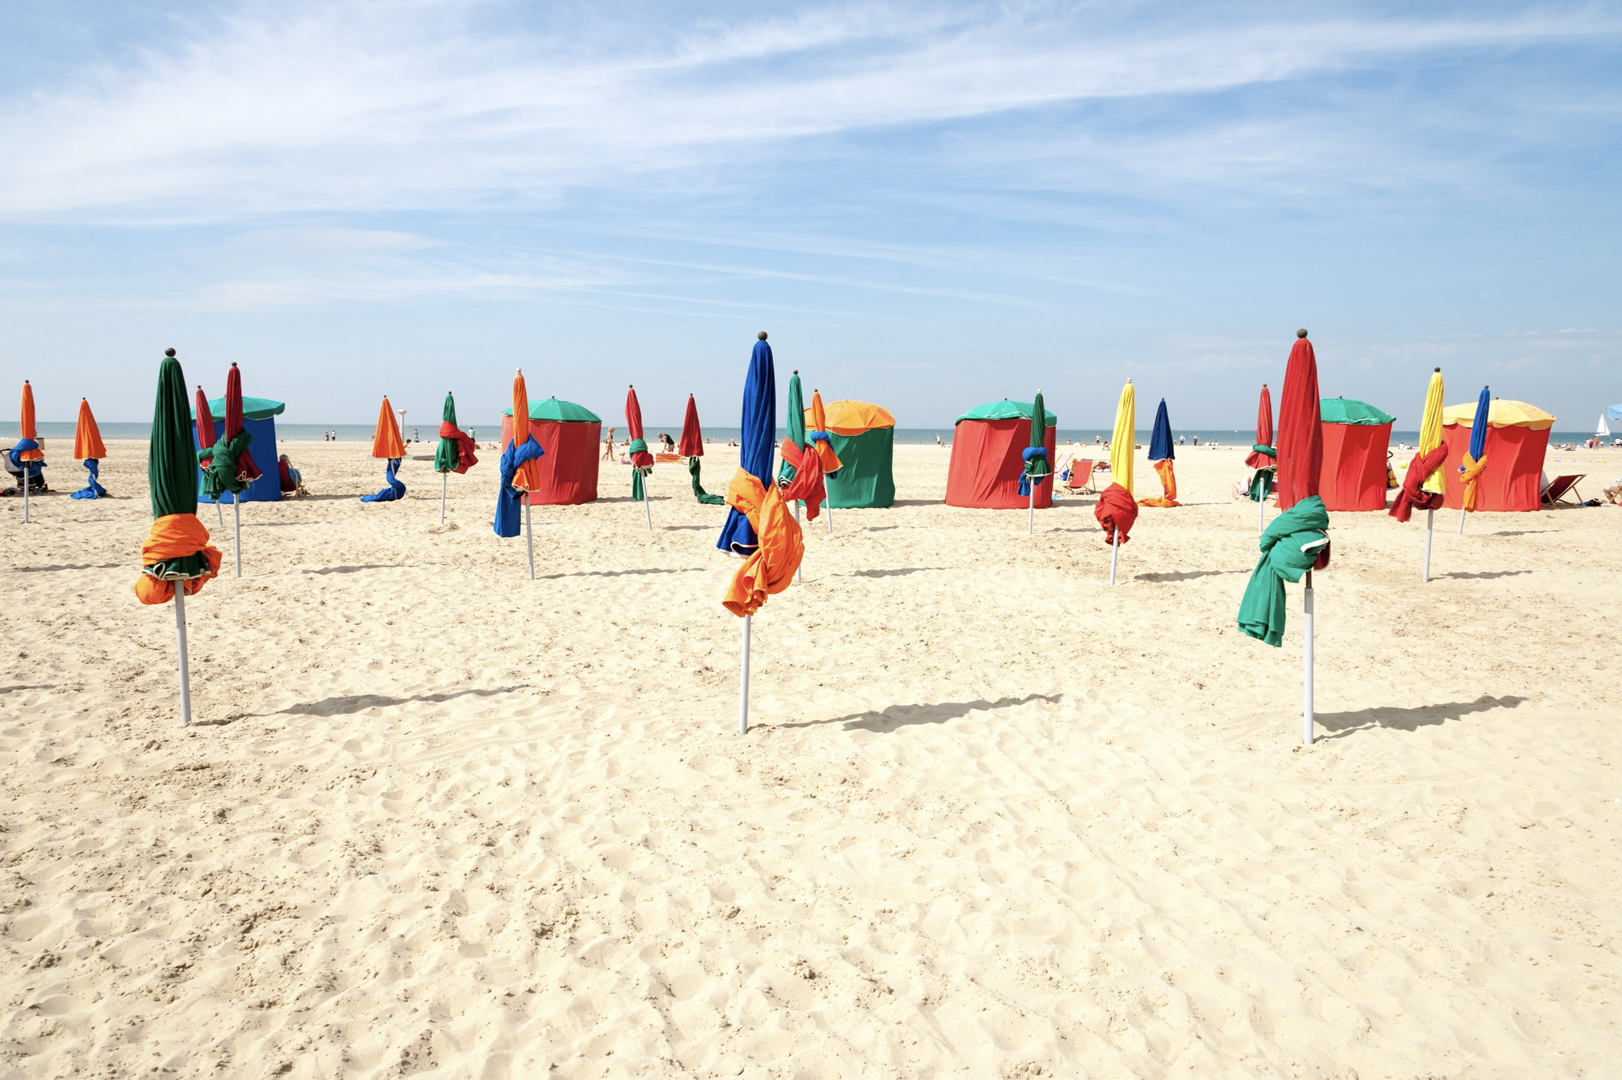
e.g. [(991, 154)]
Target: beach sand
[(995, 819)]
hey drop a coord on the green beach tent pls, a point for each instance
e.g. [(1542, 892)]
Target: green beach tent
[(863, 436)]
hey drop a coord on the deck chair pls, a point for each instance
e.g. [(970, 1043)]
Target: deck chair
[(1081, 476), (1558, 488)]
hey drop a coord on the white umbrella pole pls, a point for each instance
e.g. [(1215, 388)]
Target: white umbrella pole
[(185, 671), (1430, 527), (236, 519), (444, 478), (828, 508), (1114, 553), (219, 513), (799, 571), (1261, 514), (1461, 520), (26, 485), (1306, 704), (529, 537), (743, 682), (646, 499), (1030, 514)]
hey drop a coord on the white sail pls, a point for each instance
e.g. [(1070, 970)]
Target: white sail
[(1604, 428)]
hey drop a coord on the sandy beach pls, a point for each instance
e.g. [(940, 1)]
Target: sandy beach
[(996, 818)]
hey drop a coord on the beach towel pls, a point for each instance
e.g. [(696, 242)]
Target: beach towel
[(1168, 483), (1294, 543), (1413, 495), (770, 567), (176, 546), (1116, 511)]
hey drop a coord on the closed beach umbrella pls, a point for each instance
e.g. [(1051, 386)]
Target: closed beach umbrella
[(692, 448), (1161, 454), (1117, 510), (794, 446), (641, 459), (231, 467), (1263, 459), (822, 442), (88, 448), (796, 422), (1430, 429), (759, 424), (26, 455), (455, 451), (1037, 467), (768, 567), (205, 429), (388, 445), (177, 548), (26, 426), (1475, 459), (520, 473), (1434, 484), (1300, 428)]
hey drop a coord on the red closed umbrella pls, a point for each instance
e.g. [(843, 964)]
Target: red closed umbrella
[(1300, 427), (205, 428), (692, 437), (641, 459), (246, 470), (1264, 430)]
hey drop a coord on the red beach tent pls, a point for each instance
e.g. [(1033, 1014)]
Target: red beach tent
[(1356, 436), (571, 435), (988, 456), (1517, 437)]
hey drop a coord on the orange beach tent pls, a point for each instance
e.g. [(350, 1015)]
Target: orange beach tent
[(1517, 437)]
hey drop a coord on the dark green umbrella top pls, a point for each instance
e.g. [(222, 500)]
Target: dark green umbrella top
[(446, 457), (1038, 465), (796, 422), (171, 462)]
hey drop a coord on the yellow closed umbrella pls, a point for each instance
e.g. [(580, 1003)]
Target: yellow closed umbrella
[(1430, 437), (1121, 451)]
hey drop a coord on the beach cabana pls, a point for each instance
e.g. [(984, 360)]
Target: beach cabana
[(1517, 436), (259, 421), (571, 436), (988, 457), (863, 436), (1356, 436)]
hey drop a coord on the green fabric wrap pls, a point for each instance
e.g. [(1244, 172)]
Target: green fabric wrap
[(448, 456), (1260, 449), (171, 465), (1261, 612), (1038, 467), (796, 425), (1261, 484), (704, 497), (865, 479), (220, 473), (634, 447), (637, 446)]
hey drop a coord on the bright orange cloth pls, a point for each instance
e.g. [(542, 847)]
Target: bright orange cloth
[(528, 476), (819, 422), (386, 441), (26, 427), (807, 485), (771, 567), (1168, 481), (174, 536), (87, 438), (1470, 473)]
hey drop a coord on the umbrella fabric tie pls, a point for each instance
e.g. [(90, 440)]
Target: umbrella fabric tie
[(31, 465), (1262, 456), (1116, 511), (1036, 467), (824, 445), (641, 465), (705, 498), (176, 547), (770, 568), (509, 517), (229, 466), (805, 485), (1168, 483), (395, 490), (1413, 496), (1261, 484), (462, 443), (92, 489), (1470, 475), (1294, 543)]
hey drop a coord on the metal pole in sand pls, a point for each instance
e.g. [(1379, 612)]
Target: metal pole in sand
[(828, 508), (1030, 514), (1462, 512), (444, 478), (799, 571), (180, 635), (26, 486), (1261, 508), (1430, 525), (529, 537), (236, 518), (646, 499), (219, 513), (1306, 692), (743, 681), (1114, 553)]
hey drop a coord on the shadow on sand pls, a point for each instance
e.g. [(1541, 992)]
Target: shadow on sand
[(343, 706), (622, 573), (1185, 575), (896, 716), (1342, 724)]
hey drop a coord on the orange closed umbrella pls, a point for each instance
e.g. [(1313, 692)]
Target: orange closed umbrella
[(386, 441), (29, 431), (528, 476), (825, 450), (87, 442)]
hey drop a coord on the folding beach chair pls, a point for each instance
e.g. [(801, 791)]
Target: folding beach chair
[(1558, 488), (1081, 477)]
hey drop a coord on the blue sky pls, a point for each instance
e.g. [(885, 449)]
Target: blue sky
[(928, 206)]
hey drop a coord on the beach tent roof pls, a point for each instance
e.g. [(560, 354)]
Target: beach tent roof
[(1503, 413), (1006, 410), (855, 417), (1345, 410), (560, 411), (253, 408)]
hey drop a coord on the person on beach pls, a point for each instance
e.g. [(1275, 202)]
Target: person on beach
[(608, 445), (292, 481), (667, 444)]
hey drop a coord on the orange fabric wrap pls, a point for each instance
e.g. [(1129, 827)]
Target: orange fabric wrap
[(819, 422), (1470, 473), (771, 567), (1168, 482), (174, 536)]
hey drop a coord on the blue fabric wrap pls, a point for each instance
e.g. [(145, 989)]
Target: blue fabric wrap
[(17, 462), (509, 520), (93, 489), (395, 490), (1024, 478), (1034, 452), (1160, 448), (1478, 426), (759, 443), (823, 436)]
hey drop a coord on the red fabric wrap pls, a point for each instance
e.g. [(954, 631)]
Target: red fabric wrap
[(1116, 511), (1300, 428), (1412, 495), (807, 484), (465, 458)]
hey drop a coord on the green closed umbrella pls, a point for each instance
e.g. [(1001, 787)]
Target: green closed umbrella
[(796, 435), (176, 559), (1037, 466), (455, 451)]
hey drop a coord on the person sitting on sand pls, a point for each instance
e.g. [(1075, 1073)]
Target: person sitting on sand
[(292, 481), (1613, 491)]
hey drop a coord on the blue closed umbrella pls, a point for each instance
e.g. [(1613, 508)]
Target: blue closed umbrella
[(1478, 426), (1475, 460), (1160, 441), (758, 442)]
